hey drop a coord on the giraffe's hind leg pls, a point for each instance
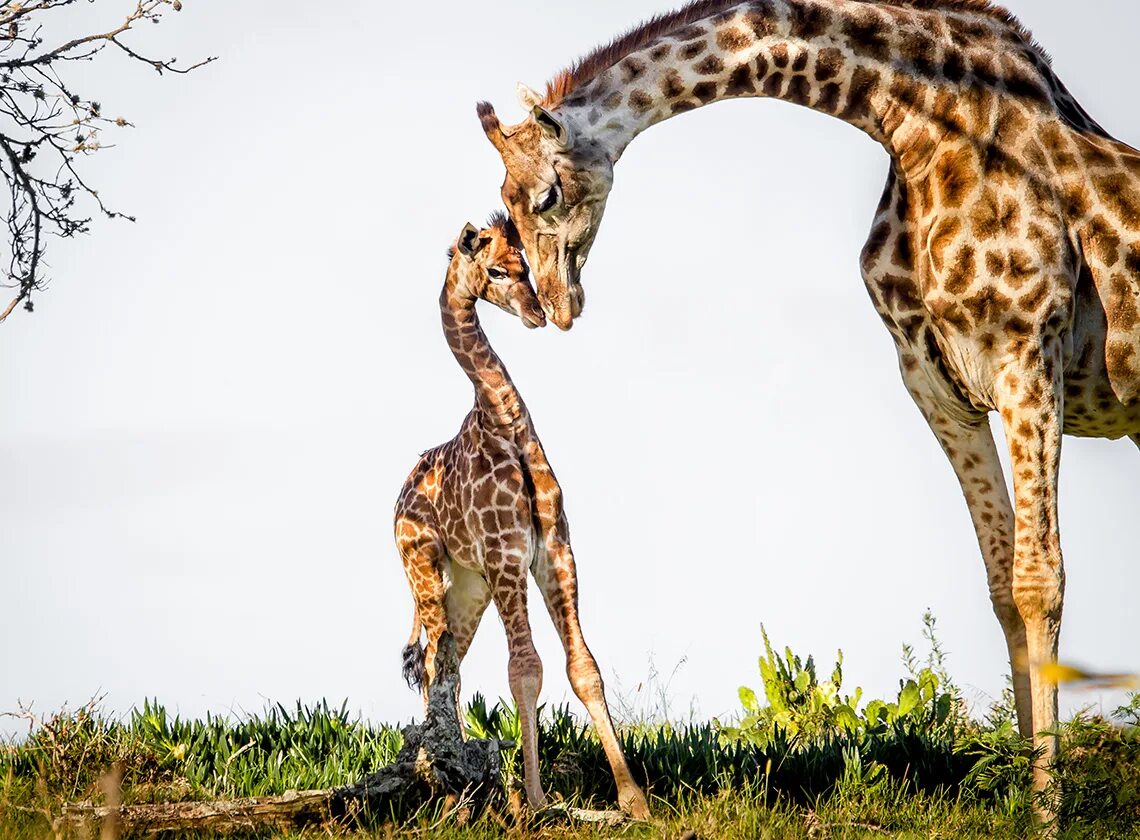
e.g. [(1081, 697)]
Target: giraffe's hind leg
[(969, 446), (557, 578), (422, 552)]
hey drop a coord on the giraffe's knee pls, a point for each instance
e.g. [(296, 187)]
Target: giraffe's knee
[(524, 672), (1039, 588), (585, 678)]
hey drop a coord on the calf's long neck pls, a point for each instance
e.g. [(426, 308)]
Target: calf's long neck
[(495, 393)]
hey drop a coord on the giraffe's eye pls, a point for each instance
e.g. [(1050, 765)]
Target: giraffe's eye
[(496, 274), (548, 200)]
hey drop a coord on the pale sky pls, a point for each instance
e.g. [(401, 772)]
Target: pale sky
[(208, 418)]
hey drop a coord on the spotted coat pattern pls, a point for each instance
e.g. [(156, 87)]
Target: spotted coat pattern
[(1004, 258), (480, 510)]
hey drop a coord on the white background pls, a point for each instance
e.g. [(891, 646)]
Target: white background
[(207, 420)]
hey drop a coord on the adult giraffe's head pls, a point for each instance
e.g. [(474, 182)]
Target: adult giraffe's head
[(555, 189)]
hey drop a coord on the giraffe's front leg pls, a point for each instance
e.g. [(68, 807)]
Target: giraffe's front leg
[(466, 601), (969, 446), (1030, 399)]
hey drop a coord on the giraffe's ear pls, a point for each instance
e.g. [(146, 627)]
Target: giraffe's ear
[(528, 97), (551, 125), (468, 242)]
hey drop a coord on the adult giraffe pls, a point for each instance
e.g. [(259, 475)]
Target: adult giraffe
[(1004, 258)]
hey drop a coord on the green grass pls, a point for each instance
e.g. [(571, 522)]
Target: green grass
[(810, 761)]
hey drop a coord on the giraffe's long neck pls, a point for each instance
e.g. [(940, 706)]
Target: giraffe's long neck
[(495, 393), (890, 70)]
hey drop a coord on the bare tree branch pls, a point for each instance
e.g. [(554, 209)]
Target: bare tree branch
[(46, 127)]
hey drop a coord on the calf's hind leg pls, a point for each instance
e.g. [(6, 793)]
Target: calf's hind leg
[(557, 577), (422, 553)]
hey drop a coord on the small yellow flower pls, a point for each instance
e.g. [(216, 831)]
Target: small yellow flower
[(179, 752)]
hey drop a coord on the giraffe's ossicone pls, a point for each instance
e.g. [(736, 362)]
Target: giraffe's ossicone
[(480, 510)]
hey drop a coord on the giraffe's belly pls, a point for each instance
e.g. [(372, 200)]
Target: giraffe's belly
[(1098, 413), (1093, 405)]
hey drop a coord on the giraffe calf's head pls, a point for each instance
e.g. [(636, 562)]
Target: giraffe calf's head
[(491, 267)]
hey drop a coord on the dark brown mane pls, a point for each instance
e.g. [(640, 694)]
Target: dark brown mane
[(587, 68)]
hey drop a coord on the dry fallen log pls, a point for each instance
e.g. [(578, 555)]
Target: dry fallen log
[(433, 762)]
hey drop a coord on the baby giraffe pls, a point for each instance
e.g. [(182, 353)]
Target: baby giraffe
[(479, 510)]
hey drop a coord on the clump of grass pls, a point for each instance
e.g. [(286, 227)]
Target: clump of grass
[(807, 760)]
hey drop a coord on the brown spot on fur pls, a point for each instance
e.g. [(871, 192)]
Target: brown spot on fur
[(774, 84), (1121, 306), (660, 52), (740, 82), (984, 216), (1118, 192), (902, 256), (709, 66), (631, 68), (683, 106), (953, 65), (672, 85), (799, 90), (1020, 268), (640, 101), (799, 63), (995, 263), (1012, 121), (919, 49), (1075, 203), (780, 56), (864, 82), (760, 19), (955, 175), (1031, 301), (829, 98), (867, 35), (960, 274), (733, 40), (761, 66), (828, 63), (987, 306), (612, 101), (808, 21), (949, 313), (899, 293), (1101, 241), (691, 51), (1118, 356), (705, 91)]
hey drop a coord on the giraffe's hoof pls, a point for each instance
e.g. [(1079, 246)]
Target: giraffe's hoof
[(635, 804)]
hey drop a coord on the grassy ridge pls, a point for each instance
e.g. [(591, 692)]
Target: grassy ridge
[(809, 761)]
